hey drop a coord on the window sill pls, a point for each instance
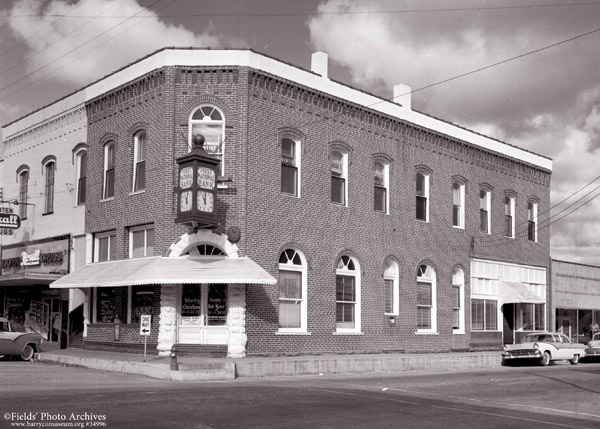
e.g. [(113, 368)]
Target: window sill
[(141, 191), (47, 213), (458, 227), (422, 220), (338, 204), (458, 332), (426, 333), (348, 333), (281, 332), (107, 199)]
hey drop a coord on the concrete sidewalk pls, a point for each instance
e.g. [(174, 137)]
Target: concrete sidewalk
[(193, 368)]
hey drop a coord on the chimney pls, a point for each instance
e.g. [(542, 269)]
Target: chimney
[(402, 95), (319, 63)]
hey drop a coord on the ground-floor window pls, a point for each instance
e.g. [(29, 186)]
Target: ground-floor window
[(141, 302), (530, 317), (484, 315), (579, 325), (347, 295)]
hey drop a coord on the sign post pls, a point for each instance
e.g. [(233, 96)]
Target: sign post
[(145, 322)]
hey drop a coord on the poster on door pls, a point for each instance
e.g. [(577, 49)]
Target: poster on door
[(217, 305), (191, 305)]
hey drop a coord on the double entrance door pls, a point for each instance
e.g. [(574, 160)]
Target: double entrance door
[(203, 314)]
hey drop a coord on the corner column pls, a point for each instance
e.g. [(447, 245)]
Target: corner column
[(236, 320), (167, 331)]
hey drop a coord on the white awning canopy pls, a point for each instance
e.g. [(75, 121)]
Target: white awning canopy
[(161, 270), (514, 292)]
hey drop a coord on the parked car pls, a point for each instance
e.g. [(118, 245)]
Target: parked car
[(544, 347), (593, 346), (22, 344)]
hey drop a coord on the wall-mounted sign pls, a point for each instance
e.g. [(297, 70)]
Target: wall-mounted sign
[(10, 221), (47, 257)]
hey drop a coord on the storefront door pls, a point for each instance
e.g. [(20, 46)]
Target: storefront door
[(203, 314), (52, 318)]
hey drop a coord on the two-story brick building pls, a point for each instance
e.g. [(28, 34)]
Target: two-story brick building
[(345, 222)]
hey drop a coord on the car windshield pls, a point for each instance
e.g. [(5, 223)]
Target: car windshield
[(533, 338)]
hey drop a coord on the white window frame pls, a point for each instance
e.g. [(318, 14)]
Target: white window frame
[(79, 156), (429, 277), (425, 194), (112, 236), (461, 204), (24, 177), (511, 210), (343, 270), (532, 216), (137, 141), (106, 149), (208, 121), (297, 163), (302, 269), (144, 228), (487, 202), (458, 281), (392, 273), (340, 173), (385, 185), (49, 188)]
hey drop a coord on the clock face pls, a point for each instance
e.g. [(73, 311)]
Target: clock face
[(205, 201), (206, 178), (185, 201), (186, 177)]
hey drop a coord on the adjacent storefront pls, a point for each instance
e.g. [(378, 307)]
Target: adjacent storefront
[(25, 297)]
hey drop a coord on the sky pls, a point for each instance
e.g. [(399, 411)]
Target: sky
[(525, 72)]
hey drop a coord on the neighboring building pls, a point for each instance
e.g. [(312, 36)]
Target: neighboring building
[(345, 223), (42, 157), (575, 299)]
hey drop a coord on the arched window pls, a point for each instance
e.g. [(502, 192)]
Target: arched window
[(82, 160), (458, 204), (422, 194), (290, 166), (49, 173), (485, 202), (390, 280), (426, 300), (458, 301), (210, 122), (347, 295), (292, 286), (23, 177), (339, 177), (139, 161), (382, 180), (509, 215), (109, 170), (532, 220)]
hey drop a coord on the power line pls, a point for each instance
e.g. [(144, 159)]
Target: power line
[(355, 12)]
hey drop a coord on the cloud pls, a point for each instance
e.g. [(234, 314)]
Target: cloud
[(547, 102), (77, 51)]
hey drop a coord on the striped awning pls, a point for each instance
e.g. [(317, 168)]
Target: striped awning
[(161, 270)]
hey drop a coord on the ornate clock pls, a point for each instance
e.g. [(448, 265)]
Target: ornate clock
[(197, 187)]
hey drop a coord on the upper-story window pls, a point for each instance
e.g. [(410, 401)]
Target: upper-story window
[(422, 191), (347, 295), (484, 210), (458, 204), (82, 160), (141, 241), (509, 216), (49, 172), (339, 177), (106, 249), (391, 289), (458, 301), (426, 300), (292, 291), (532, 216), (23, 175), (290, 166), (210, 122), (109, 170), (139, 161), (382, 180)]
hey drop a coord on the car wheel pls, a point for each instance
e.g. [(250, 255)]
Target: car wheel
[(546, 359), (27, 352), (575, 360)]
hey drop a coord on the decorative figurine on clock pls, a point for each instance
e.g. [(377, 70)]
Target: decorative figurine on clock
[(197, 186)]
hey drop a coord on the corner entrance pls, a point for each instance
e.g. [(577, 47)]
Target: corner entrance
[(203, 314)]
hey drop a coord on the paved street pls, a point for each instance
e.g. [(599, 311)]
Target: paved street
[(512, 397)]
